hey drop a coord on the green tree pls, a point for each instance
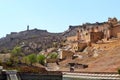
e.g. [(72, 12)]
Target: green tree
[(25, 60), (53, 55), (17, 51), (16, 54), (32, 58), (9, 63), (41, 59)]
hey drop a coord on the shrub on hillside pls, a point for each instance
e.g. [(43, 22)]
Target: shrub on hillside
[(118, 71), (41, 59), (9, 63), (53, 55), (32, 58)]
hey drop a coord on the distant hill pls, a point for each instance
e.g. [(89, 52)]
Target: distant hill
[(34, 40)]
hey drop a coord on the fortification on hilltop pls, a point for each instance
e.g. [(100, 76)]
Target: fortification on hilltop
[(92, 33)]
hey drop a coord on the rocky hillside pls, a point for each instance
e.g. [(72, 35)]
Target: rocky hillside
[(71, 31), (101, 58), (35, 40), (32, 40)]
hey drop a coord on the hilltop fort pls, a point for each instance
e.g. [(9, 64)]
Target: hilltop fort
[(94, 33)]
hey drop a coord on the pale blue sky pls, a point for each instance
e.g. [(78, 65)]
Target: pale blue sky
[(53, 15)]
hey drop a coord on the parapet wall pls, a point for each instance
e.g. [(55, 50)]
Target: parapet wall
[(35, 76), (31, 76)]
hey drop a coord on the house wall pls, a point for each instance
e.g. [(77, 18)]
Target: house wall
[(82, 46), (75, 46), (87, 37), (118, 35), (115, 30), (95, 36)]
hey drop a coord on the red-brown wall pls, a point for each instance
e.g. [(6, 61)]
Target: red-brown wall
[(95, 36), (114, 31)]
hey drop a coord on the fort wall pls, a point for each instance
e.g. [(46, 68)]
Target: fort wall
[(95, 32)]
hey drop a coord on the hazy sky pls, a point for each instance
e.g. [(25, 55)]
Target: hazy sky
[(53, 15)]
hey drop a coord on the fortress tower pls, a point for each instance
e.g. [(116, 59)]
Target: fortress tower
[(27, 27)]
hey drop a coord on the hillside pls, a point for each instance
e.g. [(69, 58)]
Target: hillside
[(34, 40), (108, 60)]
